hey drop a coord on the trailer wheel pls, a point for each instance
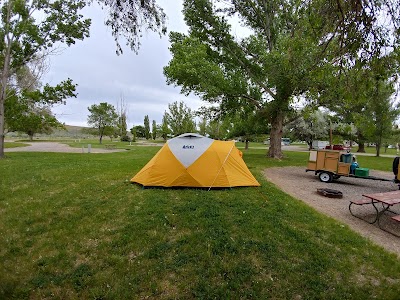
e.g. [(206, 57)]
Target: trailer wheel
[(396, 165), (326, 177)]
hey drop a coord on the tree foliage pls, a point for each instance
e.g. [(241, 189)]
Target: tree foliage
[(218, 129), (128, 18), (122, 119), (154, 130), (138, 131), (24, 38), (134, 134), (357, 94), (164, 127), (28, 117), (180, 118), (104, 118), (378, 120), (247, 125), (147, 127), (309, 126), (30, 111), (294, 48), (202, 126)]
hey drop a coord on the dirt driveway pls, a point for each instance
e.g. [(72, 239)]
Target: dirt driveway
[(303, 186), (57, 147)]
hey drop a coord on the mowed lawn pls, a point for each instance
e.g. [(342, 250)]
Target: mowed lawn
[(72, 226)]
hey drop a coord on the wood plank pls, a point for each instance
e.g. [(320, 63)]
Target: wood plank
[(396, 218)]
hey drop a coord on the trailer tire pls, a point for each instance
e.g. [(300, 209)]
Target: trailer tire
[(396, 165), (326, 177)]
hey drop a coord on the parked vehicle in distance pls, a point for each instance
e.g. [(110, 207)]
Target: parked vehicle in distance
[(338, 147), (319, 144), (284, 141)]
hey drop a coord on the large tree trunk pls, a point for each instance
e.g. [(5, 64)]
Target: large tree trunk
[(275, 148), (378, 149), (2, 118), (3, 90), (361, 142), (4, 81), (361, 147), (246, 145)]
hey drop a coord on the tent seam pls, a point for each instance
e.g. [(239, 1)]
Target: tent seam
[(219, 171)]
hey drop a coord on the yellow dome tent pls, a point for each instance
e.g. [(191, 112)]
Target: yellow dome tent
[(192, 160)]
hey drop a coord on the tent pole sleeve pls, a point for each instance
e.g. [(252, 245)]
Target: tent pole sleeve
[(221, 167)]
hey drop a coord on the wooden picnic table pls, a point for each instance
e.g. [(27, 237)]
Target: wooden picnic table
[(383, 203)]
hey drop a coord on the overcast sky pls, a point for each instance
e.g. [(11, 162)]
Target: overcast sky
[(102, 76)]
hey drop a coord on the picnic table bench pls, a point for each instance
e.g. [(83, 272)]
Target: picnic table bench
[(382, 203), (361, 202), (109, 146)]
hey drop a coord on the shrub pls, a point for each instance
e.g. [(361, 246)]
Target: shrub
[(125, 138)]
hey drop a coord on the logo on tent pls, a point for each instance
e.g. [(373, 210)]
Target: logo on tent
[(188, 147)]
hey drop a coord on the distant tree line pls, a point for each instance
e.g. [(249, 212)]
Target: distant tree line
[(307, 124)]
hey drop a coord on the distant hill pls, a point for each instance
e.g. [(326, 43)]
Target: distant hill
[(74, 128), (72, 132)]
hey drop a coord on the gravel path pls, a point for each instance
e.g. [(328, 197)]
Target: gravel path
[(57, 147), (303, 186)]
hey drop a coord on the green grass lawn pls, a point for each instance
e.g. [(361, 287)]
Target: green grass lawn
[(73, 227), (14, 144)]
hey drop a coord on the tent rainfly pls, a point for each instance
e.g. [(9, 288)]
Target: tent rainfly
[(192, 160)]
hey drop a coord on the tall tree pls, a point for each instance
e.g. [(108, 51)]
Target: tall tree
[(134, 134), (154, 130), (147, 127), (180, 118), (164, 127), (380, 114), (23, 37), (122, 118), (292, 45), (103, 117)]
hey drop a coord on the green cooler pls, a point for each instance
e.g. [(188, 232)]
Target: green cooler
[(362, 172)]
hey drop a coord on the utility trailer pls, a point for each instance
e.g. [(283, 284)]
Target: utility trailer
[(329, 165)]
